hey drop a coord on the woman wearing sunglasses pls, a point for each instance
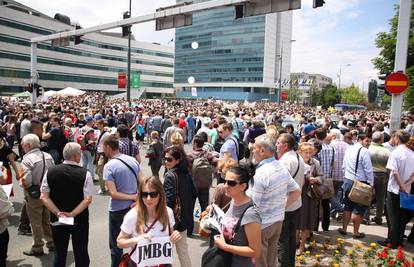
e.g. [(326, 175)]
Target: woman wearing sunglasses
[(150, 218), (245, 244), (178, 183)]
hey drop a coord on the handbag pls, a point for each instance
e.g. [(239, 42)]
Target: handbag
[(126, 257), (214, 256), (150, 152), (360, 193), (34, 189), (407, 201)]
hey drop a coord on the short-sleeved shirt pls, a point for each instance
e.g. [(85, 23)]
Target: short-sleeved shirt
[(401, 160), (229, 146), (125, 181), (252, 215), (269, 189)]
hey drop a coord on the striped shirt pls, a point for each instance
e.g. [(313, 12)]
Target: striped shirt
[(340, 148), (269, 189)]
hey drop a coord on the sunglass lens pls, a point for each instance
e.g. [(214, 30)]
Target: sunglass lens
[(231, 183), (151, 194)]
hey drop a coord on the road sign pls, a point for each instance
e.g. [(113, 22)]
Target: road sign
[(396, 83)]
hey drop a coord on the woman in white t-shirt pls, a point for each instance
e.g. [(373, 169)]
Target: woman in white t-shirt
[(150, 218)]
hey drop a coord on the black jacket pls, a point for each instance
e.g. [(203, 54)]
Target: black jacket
[(187, 193)]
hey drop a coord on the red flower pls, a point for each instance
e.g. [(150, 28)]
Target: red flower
[(400, 255), (391, 263)]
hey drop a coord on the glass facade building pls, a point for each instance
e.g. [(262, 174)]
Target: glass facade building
[(235, 59), (92, 65)]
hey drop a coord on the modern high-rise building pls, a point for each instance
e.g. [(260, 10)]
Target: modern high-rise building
[(236, 58), (92, 65)]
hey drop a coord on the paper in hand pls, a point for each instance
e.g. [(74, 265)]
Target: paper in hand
[(66, 220)]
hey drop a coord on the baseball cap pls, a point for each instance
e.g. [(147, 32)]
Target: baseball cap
[(88, 119)]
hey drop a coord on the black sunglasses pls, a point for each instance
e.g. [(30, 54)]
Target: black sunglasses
[(151, 194), (231, 183), (168, 159)]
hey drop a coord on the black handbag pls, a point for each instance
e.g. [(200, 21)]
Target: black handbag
[(34, 189), (214, 257)]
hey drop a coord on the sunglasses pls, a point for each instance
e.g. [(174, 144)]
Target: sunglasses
[(168, 159), (151, 194), (231, 183)]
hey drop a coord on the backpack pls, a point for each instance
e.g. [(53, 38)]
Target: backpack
[(202, 172), (240, 148)]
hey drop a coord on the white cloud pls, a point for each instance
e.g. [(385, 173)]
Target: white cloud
[(320, 48)]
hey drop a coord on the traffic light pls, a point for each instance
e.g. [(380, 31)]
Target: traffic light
[(78, 38), (318, 3), (30, 88), (38, 90), (126, 29), (381, 86)]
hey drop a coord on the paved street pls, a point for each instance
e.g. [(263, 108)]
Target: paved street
[(98, 236)]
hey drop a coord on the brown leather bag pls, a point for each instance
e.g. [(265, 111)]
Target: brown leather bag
[(177, 206)]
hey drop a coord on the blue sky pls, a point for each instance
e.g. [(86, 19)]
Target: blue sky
[(340, 32)]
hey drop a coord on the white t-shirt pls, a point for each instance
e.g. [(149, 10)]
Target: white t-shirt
[(401, 160), (130, 221)]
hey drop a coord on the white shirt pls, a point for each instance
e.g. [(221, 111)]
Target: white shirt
[(365, 172), (24, 128), (291, 160), (401, 160), (99, 145)]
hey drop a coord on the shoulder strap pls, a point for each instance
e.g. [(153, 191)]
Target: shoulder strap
[(100, 136), (146, 231), (237, 228), (237, 146), (297, 170), (357, 161), (129, 167), (44, 166)]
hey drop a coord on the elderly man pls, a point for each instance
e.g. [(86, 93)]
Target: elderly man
[(296, 167), (67, 192), (272, 189), (357, 166), (35, 163), (379, 158), (339, 147)]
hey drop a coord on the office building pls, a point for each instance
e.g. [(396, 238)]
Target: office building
[(93, 64)]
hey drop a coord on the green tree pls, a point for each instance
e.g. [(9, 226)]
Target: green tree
[(372, 91), (352, 95), (384, 62), (330, 96)]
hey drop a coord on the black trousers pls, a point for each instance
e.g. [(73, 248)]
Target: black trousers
[(287, 241), (326, 219), (398, 219), (4, 242), (80, 237)]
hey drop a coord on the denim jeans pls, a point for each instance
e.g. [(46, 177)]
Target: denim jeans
[(115, 222), (87, 162), (80, 237), (336, 200), (190, 135)]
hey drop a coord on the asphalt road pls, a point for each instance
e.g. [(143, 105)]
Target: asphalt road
[(98, 235)]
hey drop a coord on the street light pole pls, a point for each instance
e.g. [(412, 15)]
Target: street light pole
[(129, 62), (340, 73), (280, 70)]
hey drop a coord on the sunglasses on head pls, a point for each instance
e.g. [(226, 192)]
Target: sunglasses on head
[(151, 194), (168, 159), (231, 183)]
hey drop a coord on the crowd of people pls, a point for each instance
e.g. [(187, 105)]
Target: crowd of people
[(279, 172)]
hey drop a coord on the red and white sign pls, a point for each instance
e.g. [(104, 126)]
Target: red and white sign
[(396, 83), (121, 80)]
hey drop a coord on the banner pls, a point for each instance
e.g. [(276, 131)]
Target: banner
[(153, 252), (193, 91)]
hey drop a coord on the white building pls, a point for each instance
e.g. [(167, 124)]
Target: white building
[(92, 65)]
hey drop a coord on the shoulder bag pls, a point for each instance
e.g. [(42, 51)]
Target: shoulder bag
[(360, 193), (34, 189), (177, 205), (214, 256)]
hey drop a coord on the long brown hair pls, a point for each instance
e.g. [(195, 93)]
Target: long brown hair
[(161, 209)]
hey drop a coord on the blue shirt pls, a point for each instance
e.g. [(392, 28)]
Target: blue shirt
[(230, 146), (125, 181), (365, 172)]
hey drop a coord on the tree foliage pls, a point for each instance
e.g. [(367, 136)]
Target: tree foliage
[(384, 62), (352, 95), (330, 96), (372, 91)]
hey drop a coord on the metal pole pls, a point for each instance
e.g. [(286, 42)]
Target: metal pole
[(33, 70), (400, 59), (280, 74), (339, 77), (129, 62)]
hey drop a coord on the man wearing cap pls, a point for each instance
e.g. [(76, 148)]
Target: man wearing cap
[(88, 145)]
